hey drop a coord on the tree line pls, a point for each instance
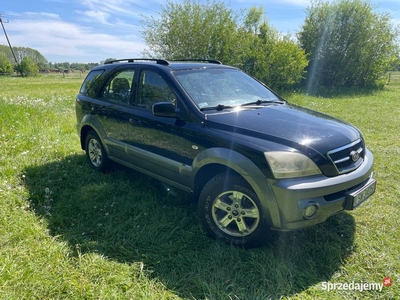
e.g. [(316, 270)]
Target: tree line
[(30, 62), (345, 43)]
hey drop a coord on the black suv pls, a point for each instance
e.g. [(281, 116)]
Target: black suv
[(254, 162)]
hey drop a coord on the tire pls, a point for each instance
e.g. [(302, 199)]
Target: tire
[(230, 211), (95, 153)]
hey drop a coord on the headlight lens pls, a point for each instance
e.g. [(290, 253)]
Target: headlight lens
[(290, 164)]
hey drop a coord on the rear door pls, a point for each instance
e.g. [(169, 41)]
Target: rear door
[(111, 110)]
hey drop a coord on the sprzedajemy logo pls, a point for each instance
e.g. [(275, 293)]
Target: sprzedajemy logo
[(357, 286)]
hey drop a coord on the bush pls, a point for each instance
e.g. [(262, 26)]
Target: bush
[(27, 67), (6, 66), (348, 44)]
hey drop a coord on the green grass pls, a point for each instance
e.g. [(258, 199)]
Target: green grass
[(67, 232), (394, 78)]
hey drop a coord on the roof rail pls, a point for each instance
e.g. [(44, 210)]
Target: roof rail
[(211, 61), (158, 61), (163, 61)]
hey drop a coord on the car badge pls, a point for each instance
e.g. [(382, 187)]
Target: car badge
[(355, 155)]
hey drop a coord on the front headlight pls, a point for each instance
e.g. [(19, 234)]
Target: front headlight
[(290, 164)]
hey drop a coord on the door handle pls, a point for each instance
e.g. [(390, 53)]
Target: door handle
[(135, 121)]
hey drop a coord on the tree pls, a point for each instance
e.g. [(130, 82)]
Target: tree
[(34, 55), (6, 66), (21, 52), (27, 67), (192, 30), (7, 52), (268, 55), (348, 44)]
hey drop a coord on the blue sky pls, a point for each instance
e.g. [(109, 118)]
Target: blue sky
[(94, 30)]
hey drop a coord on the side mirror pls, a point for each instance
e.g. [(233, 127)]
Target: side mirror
[(165, 109)]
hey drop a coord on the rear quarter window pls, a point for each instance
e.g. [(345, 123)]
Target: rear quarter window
[(89, 85)]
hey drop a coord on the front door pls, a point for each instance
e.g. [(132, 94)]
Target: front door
[(156, 144)]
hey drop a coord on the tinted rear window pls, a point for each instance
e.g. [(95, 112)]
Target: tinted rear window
[(88, 84)]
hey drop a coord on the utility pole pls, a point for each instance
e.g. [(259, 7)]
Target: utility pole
[(5, 33)]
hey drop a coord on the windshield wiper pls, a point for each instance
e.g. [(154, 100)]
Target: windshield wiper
[(260, 101), (218, 107)]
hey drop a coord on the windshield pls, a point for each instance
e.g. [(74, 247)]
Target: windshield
[(218, 88)]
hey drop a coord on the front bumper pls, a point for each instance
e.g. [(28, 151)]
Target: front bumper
[(329, 195)]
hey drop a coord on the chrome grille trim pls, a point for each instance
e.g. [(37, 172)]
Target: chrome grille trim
[(343, 161), (359, 150)]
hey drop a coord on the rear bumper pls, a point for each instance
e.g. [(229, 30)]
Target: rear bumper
[(329, 195)]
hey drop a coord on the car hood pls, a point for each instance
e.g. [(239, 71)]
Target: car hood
[(289, 125)]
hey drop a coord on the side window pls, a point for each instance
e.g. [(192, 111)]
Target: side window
[(153, 89), (119, 87)]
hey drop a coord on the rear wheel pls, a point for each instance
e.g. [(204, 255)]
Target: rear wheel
[(95, 153), (231, 211)]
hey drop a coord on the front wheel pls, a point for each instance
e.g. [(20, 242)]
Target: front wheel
[(231, 211)]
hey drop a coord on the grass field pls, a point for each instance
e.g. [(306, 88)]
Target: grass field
[(394, 78), (67, 232)]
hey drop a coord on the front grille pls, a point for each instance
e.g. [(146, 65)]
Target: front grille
[(349, 157)]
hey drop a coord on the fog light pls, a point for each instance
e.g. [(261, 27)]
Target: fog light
[(310, 211)]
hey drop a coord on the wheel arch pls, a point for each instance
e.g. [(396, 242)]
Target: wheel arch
[(84, 131), (206, 172), (214, 161), (90, 123)]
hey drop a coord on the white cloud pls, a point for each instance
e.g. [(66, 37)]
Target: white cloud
[(41, 15), (122, 7), (75, 43), (121, 15), (96, 16)]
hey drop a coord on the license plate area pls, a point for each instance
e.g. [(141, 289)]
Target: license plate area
[(355, 198)]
